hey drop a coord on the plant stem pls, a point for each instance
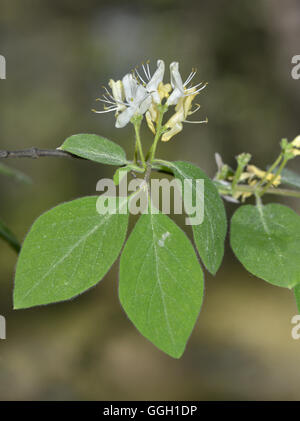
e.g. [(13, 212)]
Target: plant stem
[(276, 175), (164, 166), (37, 153), (251, 189), (161, 110), (138, 144), (135, 156), (270, 170), (237, 176)]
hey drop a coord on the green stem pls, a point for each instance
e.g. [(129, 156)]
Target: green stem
[(237, 176), (277, 174), (138, 144), (135, 156), (251, 189), (164, 166), (161, 110), (270, 170)]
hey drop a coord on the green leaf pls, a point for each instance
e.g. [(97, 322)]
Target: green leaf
[(12, 172), (95, 148), (120, 173), (9, 237), (68, 250), (297, 296), (266, 240), (161, 282), (290, 178), (209, 236)]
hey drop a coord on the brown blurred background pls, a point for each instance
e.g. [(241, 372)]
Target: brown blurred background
[(58, 54)]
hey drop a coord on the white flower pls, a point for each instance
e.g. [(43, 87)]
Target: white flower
[(152, 82), (296, 142), (118, 94), (137, 99), (179, 88), (127, 99), (183, 109)]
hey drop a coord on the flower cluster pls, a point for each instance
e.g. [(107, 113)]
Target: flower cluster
[(140, 93), (244, 174), (247, 180), (291, 149)]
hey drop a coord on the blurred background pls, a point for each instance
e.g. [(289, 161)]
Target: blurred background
[(59, 53)]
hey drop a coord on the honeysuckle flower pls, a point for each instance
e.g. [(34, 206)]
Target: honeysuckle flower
[(182, 111), (137, 99), (128, 98), (296, 146), (223, 174), (114, 99), (252, 169), (151, 117), (224, 171), (152, 83), (152, 114), (164, 90), (180, 89), (296, 142)]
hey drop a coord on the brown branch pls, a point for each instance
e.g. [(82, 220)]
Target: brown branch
[(37, 153)]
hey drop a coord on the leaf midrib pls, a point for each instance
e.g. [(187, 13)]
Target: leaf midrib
[(65, 256), (159, 283)]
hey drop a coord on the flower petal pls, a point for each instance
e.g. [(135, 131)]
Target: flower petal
[(172, 132), (124, 117), (177, 84), (145, 104), (174, 97), (156, 79), (130, 87), (140, 94), (176, 80), (117, 89)]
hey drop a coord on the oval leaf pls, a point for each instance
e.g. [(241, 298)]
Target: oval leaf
[(266, 240), (209, 236), (290, 177), (95, 148), (68, 250), (161, 283)]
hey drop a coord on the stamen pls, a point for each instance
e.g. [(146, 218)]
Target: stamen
[(198, 90), (197, 122), (135, 76), (106, 101), (108, 93), (196, 86), (195, 110), (190, 77), (147, 75), (148, 68), (116, 101), (105, 111), (140, 77), (109, 107)]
